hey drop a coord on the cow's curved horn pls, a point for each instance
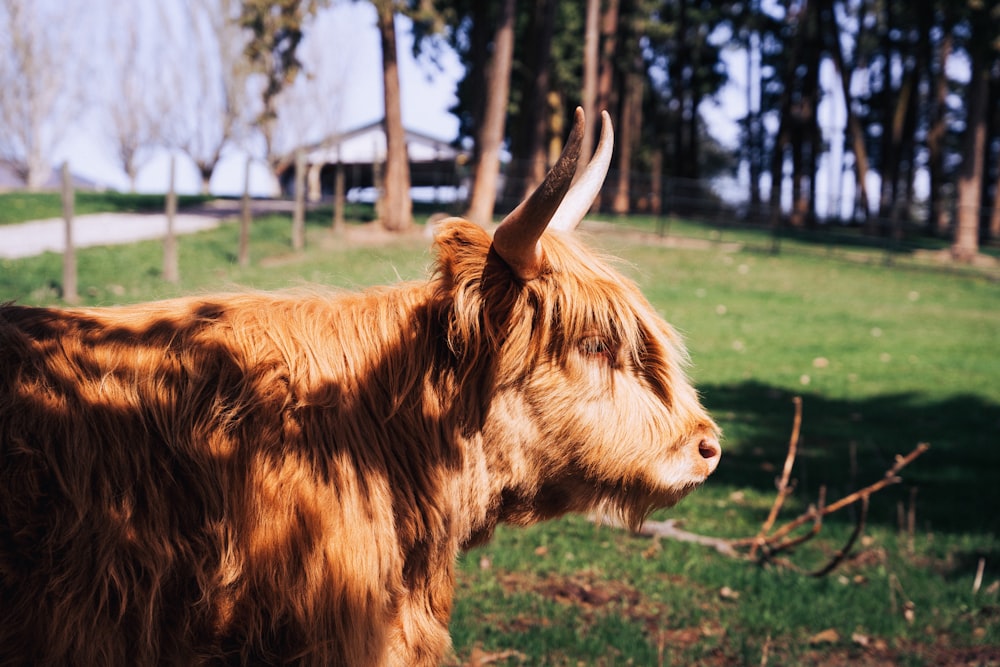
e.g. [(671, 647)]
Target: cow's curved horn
[(516, 239), (585, 189), (554, 203)]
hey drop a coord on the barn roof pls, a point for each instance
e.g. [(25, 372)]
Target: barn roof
[(366, 144)]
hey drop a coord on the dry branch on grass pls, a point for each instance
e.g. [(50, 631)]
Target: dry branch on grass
[(769, 542)]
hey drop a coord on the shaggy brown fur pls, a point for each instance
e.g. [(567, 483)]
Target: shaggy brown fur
[(261, 478)]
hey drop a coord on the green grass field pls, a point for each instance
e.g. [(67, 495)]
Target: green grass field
[(883, 358), (23, 206)]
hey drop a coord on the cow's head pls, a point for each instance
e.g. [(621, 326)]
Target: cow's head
[(588, 406)]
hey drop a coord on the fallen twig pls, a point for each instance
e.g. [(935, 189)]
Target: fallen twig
[(670, 530), (784, 488), (839, 557), (774, 547), (891, 477)]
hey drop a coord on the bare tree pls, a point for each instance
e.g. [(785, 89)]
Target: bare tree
[(299, 94), (41, 79), (310, 109), (212, 73), (134, 103), (276, 27), (854, 128)]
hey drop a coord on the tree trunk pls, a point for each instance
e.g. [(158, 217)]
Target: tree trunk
[(591, 42), (788, 121), (206, 179), (806, 137), (490, 135), (677, 65), (37, 172), (397, 206), (970, 175), (528, 149), (993, 204), (854, 130), (609, 45), (753, 128), (893, 145), (939, 218), (995, 210), (800, 204), (628, 133), (656, 184), (695, 95), (132, 173), (778, 172), (607, 91), (339, 197), (480, 37)]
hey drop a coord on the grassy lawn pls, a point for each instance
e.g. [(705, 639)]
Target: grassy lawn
[(883, 358), (24, 206)]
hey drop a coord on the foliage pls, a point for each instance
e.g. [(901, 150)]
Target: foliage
[(276, 27)]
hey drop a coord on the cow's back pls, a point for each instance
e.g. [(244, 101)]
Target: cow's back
[(109, 519), (150, 510)]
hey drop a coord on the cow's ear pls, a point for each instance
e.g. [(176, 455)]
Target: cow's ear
[(479, 287), (462, 248)]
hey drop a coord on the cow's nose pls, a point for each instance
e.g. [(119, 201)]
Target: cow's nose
[(711, 451)]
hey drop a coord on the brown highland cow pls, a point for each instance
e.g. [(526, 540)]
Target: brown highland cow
[(288, 478)]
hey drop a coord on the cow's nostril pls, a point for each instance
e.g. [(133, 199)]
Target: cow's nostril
[(709, 449)]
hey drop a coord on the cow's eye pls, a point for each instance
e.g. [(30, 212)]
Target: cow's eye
[(595, 346)]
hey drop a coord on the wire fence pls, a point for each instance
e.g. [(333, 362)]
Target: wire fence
[(707, 212), (720, 211)]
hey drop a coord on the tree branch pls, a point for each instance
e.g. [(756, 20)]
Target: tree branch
[(769, 542), (839, 557), (784, 488)]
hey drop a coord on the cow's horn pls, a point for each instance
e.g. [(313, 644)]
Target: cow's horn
[(516, 239), (585, 189)]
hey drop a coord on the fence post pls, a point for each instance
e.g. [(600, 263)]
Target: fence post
[(245, 218), (170, 268), (299, 212), (70, 294), (339, 196)]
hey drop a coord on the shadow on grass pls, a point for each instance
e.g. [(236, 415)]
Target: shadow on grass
[(956, 481)]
